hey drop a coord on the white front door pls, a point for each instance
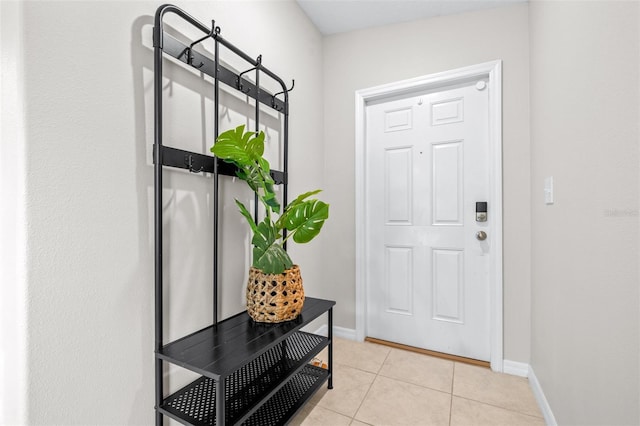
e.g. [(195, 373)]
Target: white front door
[(427, 165)]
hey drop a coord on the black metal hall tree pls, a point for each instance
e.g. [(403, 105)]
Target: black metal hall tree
[(251, 373)]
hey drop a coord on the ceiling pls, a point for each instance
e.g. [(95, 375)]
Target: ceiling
[(337, 16)]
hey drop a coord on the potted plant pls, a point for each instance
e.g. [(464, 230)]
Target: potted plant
[(274, 290)]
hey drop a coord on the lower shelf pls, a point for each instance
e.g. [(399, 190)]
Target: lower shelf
[(200, 408), (290, 398), (265, 382)]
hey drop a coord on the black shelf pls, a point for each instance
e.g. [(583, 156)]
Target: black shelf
[(286, 403), (219, 350), (271, 386)]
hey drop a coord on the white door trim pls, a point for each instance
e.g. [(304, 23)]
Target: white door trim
[(492, 70)]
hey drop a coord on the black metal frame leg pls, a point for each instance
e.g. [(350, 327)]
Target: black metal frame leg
[(220, 401), (330, 337)]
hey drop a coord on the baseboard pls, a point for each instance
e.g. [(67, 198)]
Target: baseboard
[(515, 368), (340, 332), (549, 418)]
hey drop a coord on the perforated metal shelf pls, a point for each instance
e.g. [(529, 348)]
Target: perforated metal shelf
[(261, 392), (218, 351), (291, 397)]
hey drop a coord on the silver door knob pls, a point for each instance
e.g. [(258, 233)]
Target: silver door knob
[(481, 235)]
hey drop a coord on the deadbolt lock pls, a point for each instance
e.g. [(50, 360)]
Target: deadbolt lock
[(481, 211)]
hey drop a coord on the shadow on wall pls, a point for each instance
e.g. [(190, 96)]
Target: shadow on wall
[(141, 58), (187, 203)]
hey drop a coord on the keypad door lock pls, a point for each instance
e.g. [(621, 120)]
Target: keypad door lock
[(481, 211)]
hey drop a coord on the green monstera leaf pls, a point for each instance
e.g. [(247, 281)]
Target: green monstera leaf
[(233, 141), (302, 197), (247, 215), (305, 219), (231, 146), (268, 255), (245, 150), (255, 145)]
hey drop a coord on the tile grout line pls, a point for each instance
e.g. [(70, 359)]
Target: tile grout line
[(488, 403), (368, 390), (453, 378), (500, 407), (385, 360), (423, 386), (337, 412)]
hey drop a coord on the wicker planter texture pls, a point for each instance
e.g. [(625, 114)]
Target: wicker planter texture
[(274, 297)]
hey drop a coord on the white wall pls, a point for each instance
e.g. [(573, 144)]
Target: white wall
[(367, 58), (584, 125), (89, 193), (13, 294)]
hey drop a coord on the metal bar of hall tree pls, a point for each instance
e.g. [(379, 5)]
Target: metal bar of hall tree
[(285, 160), (220, 400), (255, 196), (176, 49), (171, 8), (157, 123), (216, 180), (330, 338)]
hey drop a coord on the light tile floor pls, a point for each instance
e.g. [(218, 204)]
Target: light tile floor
[(378, 385)]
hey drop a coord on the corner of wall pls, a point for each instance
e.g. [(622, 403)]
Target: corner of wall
[(13, 330), (541, 399), (515, 368)]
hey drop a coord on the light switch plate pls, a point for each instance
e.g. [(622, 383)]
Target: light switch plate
[(548, 190)]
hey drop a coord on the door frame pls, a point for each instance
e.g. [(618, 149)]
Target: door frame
[(493, 71)]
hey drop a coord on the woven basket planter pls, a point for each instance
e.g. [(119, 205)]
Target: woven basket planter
[(274, 297)]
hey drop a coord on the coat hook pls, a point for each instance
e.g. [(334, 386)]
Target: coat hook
[(239, 85), (189, 162), (214, 31), (273, 98)]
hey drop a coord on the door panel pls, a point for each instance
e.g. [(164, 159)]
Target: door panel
[(448, 285), (448, 179), (397, 120), (427, 274), (398, 185), (447, 111), (398, 267)]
